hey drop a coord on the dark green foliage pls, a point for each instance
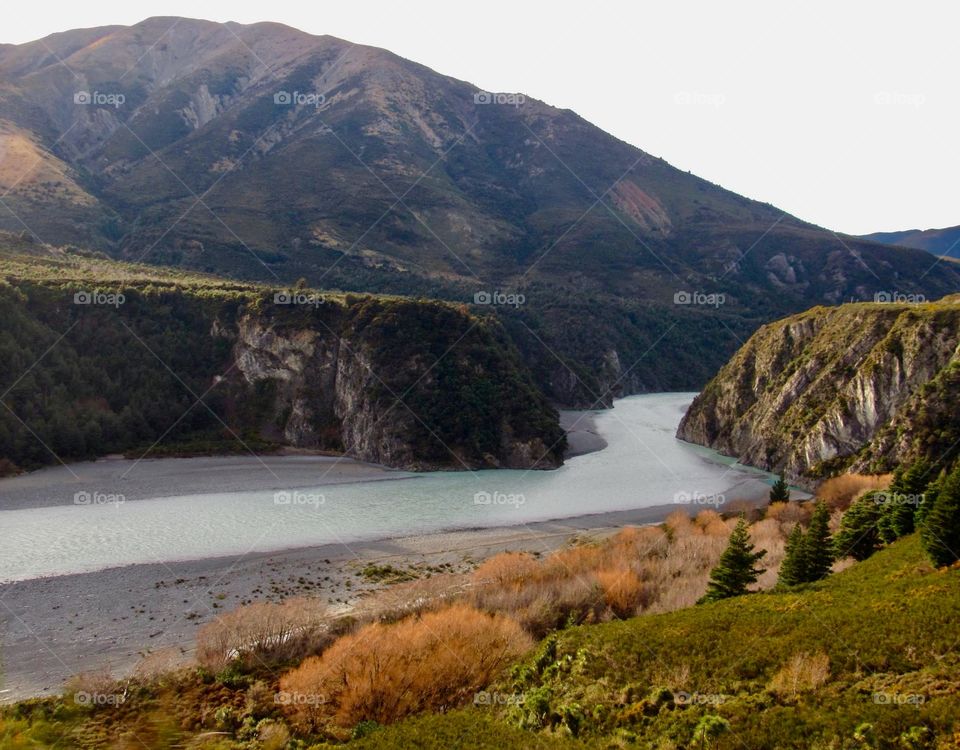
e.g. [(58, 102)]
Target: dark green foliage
[(780, 492), (940, 532), (859, 535), (793, 569), (818, 545), (736, 569)]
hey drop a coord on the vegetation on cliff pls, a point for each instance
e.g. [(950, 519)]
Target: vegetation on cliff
[(104, 357)]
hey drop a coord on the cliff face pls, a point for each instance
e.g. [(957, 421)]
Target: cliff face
[(107, 358), (861, 387), (417, 385)]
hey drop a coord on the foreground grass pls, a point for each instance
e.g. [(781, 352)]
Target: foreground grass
[(866, 659)]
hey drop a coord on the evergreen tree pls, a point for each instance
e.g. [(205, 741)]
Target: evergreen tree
[(818, 544), (859, 536), (793, 569), (904, 498), (940, 533), (780, 492), (736, 570)]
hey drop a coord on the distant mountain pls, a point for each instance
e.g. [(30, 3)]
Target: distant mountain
[(265, 153), (937, 241)]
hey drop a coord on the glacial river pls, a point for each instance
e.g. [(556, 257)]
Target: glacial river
[(643, 465)]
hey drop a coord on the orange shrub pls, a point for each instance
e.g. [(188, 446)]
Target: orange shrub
[(386, 672), (840, 491), (623, 591), (507, 567)]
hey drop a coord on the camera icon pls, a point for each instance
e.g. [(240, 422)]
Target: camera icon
[(683, 298), (82, 498), (482, 498), (283, 97), (482, 698), (282, 498), (883, 297), (683, 498), (82, 298), (82, 97), (482, 298), (483, 97), (283, 298)]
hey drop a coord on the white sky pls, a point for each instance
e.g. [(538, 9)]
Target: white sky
[(843, 113)]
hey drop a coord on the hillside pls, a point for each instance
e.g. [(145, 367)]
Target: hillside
[(866, 658), (937, 241), (146, 361), (264, 153), (861, 386)]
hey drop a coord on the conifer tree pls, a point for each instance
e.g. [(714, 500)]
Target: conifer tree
[(780, 492), (736, 570), (940, 532), (793, 569), (859, 536), (818, 544)]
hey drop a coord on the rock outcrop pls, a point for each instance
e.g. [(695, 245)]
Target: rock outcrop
[(860, 386)]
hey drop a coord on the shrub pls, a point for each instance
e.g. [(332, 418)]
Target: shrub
[(940, 532), (383, 672), (262, 634), (839, 492), (802, 673)]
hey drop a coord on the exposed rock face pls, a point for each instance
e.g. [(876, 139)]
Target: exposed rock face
[(334, 382), (861, 386)]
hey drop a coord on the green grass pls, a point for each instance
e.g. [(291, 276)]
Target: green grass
[(888, 626)]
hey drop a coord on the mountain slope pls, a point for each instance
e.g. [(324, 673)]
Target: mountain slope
[(864, 386), (937, 241), (262, 152)]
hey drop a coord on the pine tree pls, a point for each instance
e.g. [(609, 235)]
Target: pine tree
[(818, 544), (793, 569), (780, 492), (736, 570), (940, 533), (859, 536)]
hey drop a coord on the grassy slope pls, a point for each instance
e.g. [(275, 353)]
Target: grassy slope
[(888, 626)]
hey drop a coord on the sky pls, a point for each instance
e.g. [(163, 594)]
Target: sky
[(842, 113)]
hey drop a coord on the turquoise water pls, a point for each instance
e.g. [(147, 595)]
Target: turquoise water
[(643, 465)]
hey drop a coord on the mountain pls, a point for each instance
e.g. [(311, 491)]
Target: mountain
[(108, 357), (937, 241), (264, 153), (862, 386)]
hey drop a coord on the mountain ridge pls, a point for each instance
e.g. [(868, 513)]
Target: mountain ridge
[(397, 179)]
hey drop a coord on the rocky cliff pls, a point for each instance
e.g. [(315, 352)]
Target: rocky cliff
[(105, 357), (860, 386)]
